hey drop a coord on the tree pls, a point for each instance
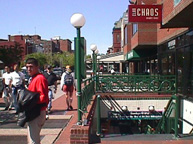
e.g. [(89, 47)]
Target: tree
[(56, 59), (88, 56), (41, 57), (63, 59), (12, 54)]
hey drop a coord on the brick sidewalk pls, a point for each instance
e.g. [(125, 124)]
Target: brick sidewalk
[(64, 137)]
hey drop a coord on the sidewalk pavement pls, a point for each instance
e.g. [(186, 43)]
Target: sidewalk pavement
[(55, 130)]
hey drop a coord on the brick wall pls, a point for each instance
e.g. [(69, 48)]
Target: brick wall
[(81, 134), (65, 45), (127, 46)]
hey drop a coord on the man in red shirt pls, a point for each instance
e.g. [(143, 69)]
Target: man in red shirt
[(38, 83)]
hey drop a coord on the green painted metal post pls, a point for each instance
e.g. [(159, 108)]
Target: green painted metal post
[(78, 70), (177, 116), (98, 116), (94, 69), (97, 75), (94, 63)]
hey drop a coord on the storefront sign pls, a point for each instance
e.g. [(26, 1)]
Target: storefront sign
[(145, 13), (172, 44), (132, 55)]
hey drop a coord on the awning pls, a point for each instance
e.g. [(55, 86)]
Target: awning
[(1, 65), (141, 53), (132, 55), (115, 59)]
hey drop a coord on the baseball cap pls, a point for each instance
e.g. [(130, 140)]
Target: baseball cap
[(67, 67)]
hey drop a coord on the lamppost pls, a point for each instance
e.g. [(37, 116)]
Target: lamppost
[(98, 63), (96, 53), (78, 20), (93, 47)]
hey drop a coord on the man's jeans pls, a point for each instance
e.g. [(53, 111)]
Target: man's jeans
[(14, 96), (50, 95), (7, 97)]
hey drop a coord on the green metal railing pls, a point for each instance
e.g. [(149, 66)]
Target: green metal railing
[(136, 83), (87, 93), (170, 118), (126, 84)]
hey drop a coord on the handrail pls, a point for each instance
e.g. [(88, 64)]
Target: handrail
[(169, 108), (164, 125), (87, 93)]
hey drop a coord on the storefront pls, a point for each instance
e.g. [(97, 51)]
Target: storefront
[(175, 57), (142, 61)]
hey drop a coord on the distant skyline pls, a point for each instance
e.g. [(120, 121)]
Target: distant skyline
[(50, 18)]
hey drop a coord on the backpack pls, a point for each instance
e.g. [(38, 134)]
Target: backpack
[(68, 79)]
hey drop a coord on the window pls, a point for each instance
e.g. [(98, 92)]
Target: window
[(118, 38), (176, 2), (125, 35), (135, 28)]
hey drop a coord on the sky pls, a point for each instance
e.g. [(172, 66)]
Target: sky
[(50, 18)]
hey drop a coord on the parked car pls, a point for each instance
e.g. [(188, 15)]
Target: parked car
[(58, 72)]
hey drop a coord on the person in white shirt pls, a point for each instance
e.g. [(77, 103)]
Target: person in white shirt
[(112, 71), (17, 81), (7, 89), (67, 85)]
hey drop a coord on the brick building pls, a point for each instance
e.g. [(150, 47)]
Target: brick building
[(63, 45), (117, 37), (11, 42), (34, 43)]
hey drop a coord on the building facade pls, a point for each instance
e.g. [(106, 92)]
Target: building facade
[(162, 48), (117, 37)]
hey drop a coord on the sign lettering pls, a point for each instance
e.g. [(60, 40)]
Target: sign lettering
[(145, 13)]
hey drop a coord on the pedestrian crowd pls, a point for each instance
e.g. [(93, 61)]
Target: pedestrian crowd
[(17, 93)]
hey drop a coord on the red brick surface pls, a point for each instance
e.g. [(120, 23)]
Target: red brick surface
[(60, 104)]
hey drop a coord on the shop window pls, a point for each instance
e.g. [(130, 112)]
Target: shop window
[(118, 38), (135, 28), (176, 2), (125, 36)]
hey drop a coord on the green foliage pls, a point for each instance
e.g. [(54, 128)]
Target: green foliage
[(88, 56), (12, 54), (62, 59), (55, 59), (41, 57)]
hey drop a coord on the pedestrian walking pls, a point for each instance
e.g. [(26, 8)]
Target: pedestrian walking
[(67, 85), (38, 83), (17, 82), (7, 89), (112, 71), (52, 84)]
